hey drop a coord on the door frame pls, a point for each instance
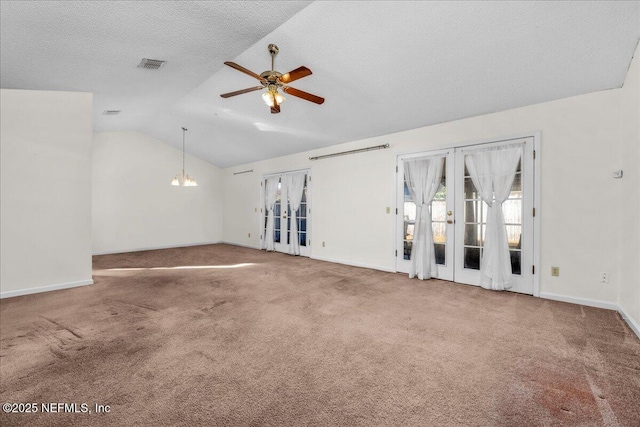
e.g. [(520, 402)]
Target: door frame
[(309, 205), (536, 135)]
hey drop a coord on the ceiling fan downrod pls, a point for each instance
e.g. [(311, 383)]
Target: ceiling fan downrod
[(273, 50)]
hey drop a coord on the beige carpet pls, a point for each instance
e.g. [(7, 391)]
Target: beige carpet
[(268, 339)]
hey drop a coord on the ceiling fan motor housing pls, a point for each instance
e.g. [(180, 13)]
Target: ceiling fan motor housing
[(272, 77)]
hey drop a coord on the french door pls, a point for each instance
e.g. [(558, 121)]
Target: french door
[(459, 218), (282, 216), (442, 208)]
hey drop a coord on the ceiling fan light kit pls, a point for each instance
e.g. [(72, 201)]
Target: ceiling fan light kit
[(273, 80), (271, 97)]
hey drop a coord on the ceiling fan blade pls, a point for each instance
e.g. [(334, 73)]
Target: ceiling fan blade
[(244, 70), (275, 109), (296, 74), (240, 92), (304, 95)]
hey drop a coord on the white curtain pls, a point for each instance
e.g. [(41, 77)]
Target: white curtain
[(270, 195), (492, 172), (423, 178), (295, 186)]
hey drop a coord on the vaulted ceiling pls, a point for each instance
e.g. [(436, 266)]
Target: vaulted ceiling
[(383, 67)]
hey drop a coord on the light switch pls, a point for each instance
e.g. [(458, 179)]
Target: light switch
[(555, 271), (388, 209)]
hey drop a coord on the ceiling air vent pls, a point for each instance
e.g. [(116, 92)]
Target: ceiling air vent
[(110, 112), (150, 64)]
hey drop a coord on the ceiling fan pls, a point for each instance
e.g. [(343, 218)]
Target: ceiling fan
[(272, 80)]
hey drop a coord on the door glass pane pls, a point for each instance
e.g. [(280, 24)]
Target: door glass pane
[(516, 188), (515, 262), (302, 217), (409, 211), (409, 214), (439, 210), (408, 231), (470, 191), (407, 249), (475, 211), (407, 195), (439, 232), (277, 210), (438, 218), (514, 236), (472, 258), (288, 228), (512, 211), (474, 234), (440, 254), (277, 229), (441, 194)]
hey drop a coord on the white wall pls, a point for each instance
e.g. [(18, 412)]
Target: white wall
[(134, 205), (45, 214), (580, 230), (630, 193)]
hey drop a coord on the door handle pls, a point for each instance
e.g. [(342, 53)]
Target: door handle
[(449, 221)]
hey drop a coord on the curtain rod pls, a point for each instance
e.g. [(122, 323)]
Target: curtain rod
[(359, 150), (238, 173)]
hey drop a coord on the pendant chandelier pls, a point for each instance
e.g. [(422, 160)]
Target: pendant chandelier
[(182, 179)]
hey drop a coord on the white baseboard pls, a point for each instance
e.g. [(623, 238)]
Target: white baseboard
[(632, 323), (598, 304), (354, 264), (27, 291), (241, 245), (153, 248), (580, 301)]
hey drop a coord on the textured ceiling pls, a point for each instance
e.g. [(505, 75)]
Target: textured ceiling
[(383, 67), (96, 46)]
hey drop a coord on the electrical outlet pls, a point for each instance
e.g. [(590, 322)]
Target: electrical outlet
[(555, 271), (604, 277), (323, 244)]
